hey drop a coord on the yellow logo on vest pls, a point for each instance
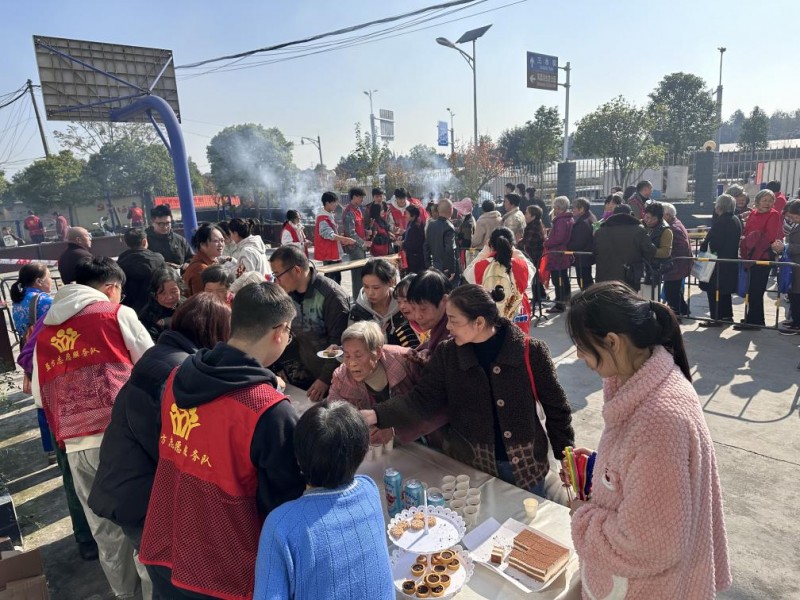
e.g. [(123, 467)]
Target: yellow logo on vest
[(64, 340), (183, 421)]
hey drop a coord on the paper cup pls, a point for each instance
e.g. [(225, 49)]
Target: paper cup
[(376, 451), (448, 488), (457, 506), (447, 496), (462, 485), (473, 492), (447, 479), (473, 500), (470, 514), (388, 446), (462, 479), (460, 495), (531, 506)]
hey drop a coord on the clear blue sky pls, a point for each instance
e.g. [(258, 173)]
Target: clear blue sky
[(622, 47)]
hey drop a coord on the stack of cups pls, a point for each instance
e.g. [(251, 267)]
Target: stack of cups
[(448, 487), (375, 452), (472, 507)]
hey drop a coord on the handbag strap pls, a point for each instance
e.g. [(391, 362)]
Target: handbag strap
[(32, 307), (530, 370)]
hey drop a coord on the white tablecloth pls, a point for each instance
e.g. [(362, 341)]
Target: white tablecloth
[(498, 499)]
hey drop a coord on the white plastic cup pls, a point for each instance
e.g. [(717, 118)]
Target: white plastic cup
[(376, 451), (448, 488), (462, 485), (473, 500), (448, 479), (462, 479), (531, 507), (473, 492), (470, 514), (447, 496), (460, 495), (457, 505), (388, 446)]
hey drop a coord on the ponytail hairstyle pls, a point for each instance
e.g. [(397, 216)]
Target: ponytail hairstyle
[(502, 242), (240, 227), (613, 307), (28, 275), (474, 301), (291, 215)]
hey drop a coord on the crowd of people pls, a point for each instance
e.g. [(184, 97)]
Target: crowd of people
[(159, 380)]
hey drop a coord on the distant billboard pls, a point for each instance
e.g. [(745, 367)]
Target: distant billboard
[(442, 137)]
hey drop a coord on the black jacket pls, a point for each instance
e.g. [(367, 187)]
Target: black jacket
[(209, 374), (70, 259), (152, 313), (723, 240), (621, 242), (174, 248), (129, 453), (440, 247), (582, 238), (138, 265)]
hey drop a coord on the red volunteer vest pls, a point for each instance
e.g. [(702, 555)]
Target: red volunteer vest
[(203, 521), (82, 364), (519, 271), (137, 216), (358, 217), (325, 249), (295, 238), (423, 214), (34, 225)]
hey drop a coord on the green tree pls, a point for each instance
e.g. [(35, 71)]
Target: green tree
[(475, 166), (543, 141), (755, 131), (3, 183), (620, 133), (251, 161), (51, 182), (510, 145), (87, 138), (366, 160), (130, 167), (683, 112), (423, 157), (732, 128)]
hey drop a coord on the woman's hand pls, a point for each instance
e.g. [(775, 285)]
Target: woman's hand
[(777, 246), (370, 417)]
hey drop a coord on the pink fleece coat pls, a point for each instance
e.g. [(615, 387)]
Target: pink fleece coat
[(654, 528)]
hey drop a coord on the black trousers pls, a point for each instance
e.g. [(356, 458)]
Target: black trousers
[(794, 309), (672, 292), (163, 588), (561, 285), (584, 275), (337, 277), (759, 275)]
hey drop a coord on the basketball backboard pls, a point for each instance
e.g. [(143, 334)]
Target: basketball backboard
[(85, 81)]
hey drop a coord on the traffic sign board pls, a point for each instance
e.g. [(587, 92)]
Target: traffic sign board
[(542, 71)]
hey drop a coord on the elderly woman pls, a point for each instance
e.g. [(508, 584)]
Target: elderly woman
[(723, 240), (792, 242), (763, 227), (489, 379), (372, 372), (165, 297), (558, 241)]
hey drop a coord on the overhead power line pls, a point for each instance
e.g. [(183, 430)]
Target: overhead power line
[(325, 35)]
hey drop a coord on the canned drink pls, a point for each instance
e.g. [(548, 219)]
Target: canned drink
[(393, 484), (412, 493), (436, 499)]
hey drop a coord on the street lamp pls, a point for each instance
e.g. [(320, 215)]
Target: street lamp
[(372, 118), (314, 142), (452, 134), (469, 36), (719, 98)]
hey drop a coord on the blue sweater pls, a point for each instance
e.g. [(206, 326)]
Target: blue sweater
[(326, 544)]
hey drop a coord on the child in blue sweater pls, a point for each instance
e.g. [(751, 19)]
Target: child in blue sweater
[(331, 542)]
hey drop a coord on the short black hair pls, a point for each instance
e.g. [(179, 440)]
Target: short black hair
[(583, 203), (382, 269), (774, 186), (240, 227), (615, 198), (488, 206), (623, 209), (643, 184), (656, 209), (513, 199), (329, 197), (98, 271), (378, 191), (203, 234), (162, 210), (259, 307), (401, 289), (331, 440), (224, 228), (510, 186), (400, 193), (216, 274), (292, 214), (134, 238), (357, 192), (290, 256), (413, 211), (429, 286)]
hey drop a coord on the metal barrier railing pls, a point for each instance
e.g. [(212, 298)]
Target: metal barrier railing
[(686, 294)]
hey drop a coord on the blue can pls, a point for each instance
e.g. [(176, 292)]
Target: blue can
[(412, 493), (393, 484), (436, 499)]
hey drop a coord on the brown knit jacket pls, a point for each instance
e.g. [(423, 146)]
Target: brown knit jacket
[(453, 380)]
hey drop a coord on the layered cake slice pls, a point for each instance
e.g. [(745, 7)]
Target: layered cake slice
[(536, 556)]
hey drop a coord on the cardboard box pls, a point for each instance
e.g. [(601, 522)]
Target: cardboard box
[(22, 577)]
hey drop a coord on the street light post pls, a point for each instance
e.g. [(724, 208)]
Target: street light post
[(469, 36), (719, 98), (316, 142), (372, 118), (566, 84), (452, 133)]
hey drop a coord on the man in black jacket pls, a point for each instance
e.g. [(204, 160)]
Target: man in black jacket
[(139, 264), (79, 241), (582, 240), (162, 240), (322, 311), (440, 244)]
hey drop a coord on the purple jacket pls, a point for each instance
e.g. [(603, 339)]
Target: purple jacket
[(558, 239), (25, 358), (680, 247)]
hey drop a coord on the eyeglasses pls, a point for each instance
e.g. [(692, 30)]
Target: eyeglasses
[(119, 285), (164, 224), (289, 331), (282, 273)]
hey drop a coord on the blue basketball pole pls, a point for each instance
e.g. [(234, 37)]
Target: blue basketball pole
[(177, 149)]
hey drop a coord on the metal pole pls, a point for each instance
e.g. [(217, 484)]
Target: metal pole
[(319, 147), (475, 94), (719, 99), (372, 122), (38, 119), (565, 153)]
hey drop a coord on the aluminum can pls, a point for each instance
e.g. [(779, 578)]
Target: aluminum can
[(412, 493), (436, 499), (393, 485)]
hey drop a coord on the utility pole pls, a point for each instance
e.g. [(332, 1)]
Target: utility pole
[(38, 119), (316, 142), (566, 86), (452, 134), (719, 98), (372, 120)]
